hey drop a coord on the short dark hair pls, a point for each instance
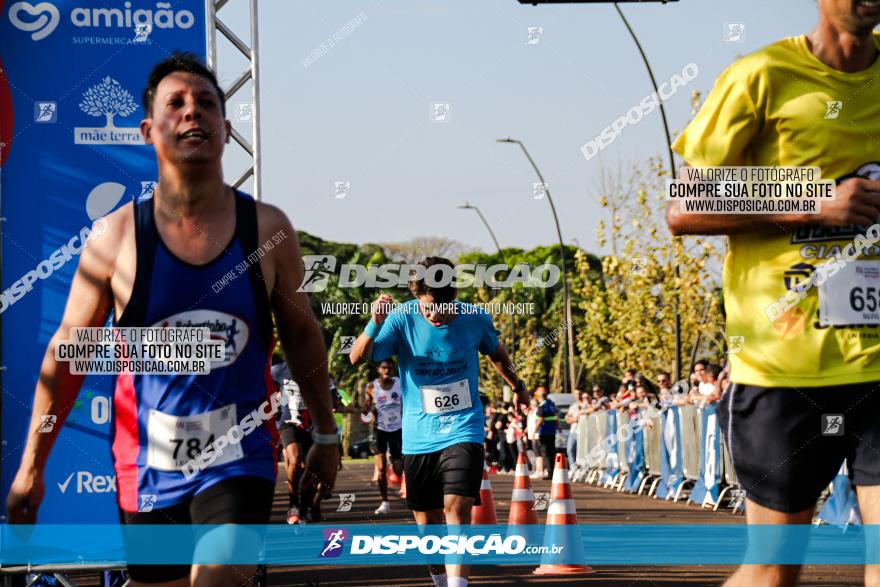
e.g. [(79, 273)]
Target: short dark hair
[(388, 360), (702, 362), (713, 369), (645, 383), (179, 61), (442, 294)]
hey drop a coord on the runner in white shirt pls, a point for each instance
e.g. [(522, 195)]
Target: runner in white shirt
[(383, 399)]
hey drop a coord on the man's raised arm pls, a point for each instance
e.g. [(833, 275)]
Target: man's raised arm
[(302, 341), (502, 363), (363, 346), (856, 201)]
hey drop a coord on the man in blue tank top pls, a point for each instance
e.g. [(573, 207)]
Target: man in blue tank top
[(438, 342), (159, 265)]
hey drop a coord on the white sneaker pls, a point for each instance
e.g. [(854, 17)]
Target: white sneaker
[(293, 515), (384, 508)]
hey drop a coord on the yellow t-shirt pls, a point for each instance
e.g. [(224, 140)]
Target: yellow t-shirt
[(782, 106)]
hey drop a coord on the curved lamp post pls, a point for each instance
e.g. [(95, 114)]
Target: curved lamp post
[(468, 206), (568, 358)]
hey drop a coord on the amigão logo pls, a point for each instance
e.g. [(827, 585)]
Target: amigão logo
[(42, 19)]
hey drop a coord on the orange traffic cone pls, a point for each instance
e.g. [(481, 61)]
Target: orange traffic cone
[(522, 502), (392, 477), (485, 512), (403, 486), (562, 512)]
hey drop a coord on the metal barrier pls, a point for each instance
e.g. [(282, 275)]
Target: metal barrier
[(727, 472), (689, 420), (623, 464), (581, 467), (592, 457), (652, 438), (596, 425), (59, 573)]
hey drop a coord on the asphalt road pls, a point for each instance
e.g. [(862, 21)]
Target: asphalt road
[(594, 505)]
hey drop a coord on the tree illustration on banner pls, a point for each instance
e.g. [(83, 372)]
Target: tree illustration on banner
[(108, 98)]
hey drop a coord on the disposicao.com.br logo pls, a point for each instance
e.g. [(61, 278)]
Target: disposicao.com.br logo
[(319, 269), (453, 544), (334, 541)]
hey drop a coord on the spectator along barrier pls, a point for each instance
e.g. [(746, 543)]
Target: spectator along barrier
[(675, 453)]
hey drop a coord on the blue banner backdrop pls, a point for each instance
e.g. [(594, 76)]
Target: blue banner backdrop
[(407, 544), (71, 76)]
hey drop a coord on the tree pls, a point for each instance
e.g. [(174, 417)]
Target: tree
[(108, 98), (629, 313), (416, 249), (538, 356)]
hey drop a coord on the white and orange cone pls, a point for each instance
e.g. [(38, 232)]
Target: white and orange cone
[(562, 512), (485, 512), (522, 502)]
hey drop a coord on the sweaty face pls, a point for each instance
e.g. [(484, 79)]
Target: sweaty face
[(855, 16), (385, 371), (186, 124), (431, 310)]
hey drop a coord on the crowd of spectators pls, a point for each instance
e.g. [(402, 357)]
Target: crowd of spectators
[(534, 430)]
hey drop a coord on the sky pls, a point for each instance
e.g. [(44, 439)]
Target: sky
[(359, 110)]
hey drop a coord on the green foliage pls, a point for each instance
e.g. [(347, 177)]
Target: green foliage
[(649, 278), (541, 316)]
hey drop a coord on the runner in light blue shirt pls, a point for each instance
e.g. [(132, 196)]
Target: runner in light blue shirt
[(439, 372), (438, 342)]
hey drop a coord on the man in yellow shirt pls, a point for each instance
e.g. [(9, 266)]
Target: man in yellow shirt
[(811, 100)]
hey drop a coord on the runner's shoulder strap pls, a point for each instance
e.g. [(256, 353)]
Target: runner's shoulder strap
[(146, 241), (248, 235)]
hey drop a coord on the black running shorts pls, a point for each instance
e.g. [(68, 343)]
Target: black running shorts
[(238, 500), (455, 470), (390, 441), (787, 444)]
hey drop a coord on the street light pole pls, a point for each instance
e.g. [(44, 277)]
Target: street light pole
[(467, 206), (676, 324), (568, 359)]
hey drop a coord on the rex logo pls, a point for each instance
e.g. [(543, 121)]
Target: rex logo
[(87, 482)]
